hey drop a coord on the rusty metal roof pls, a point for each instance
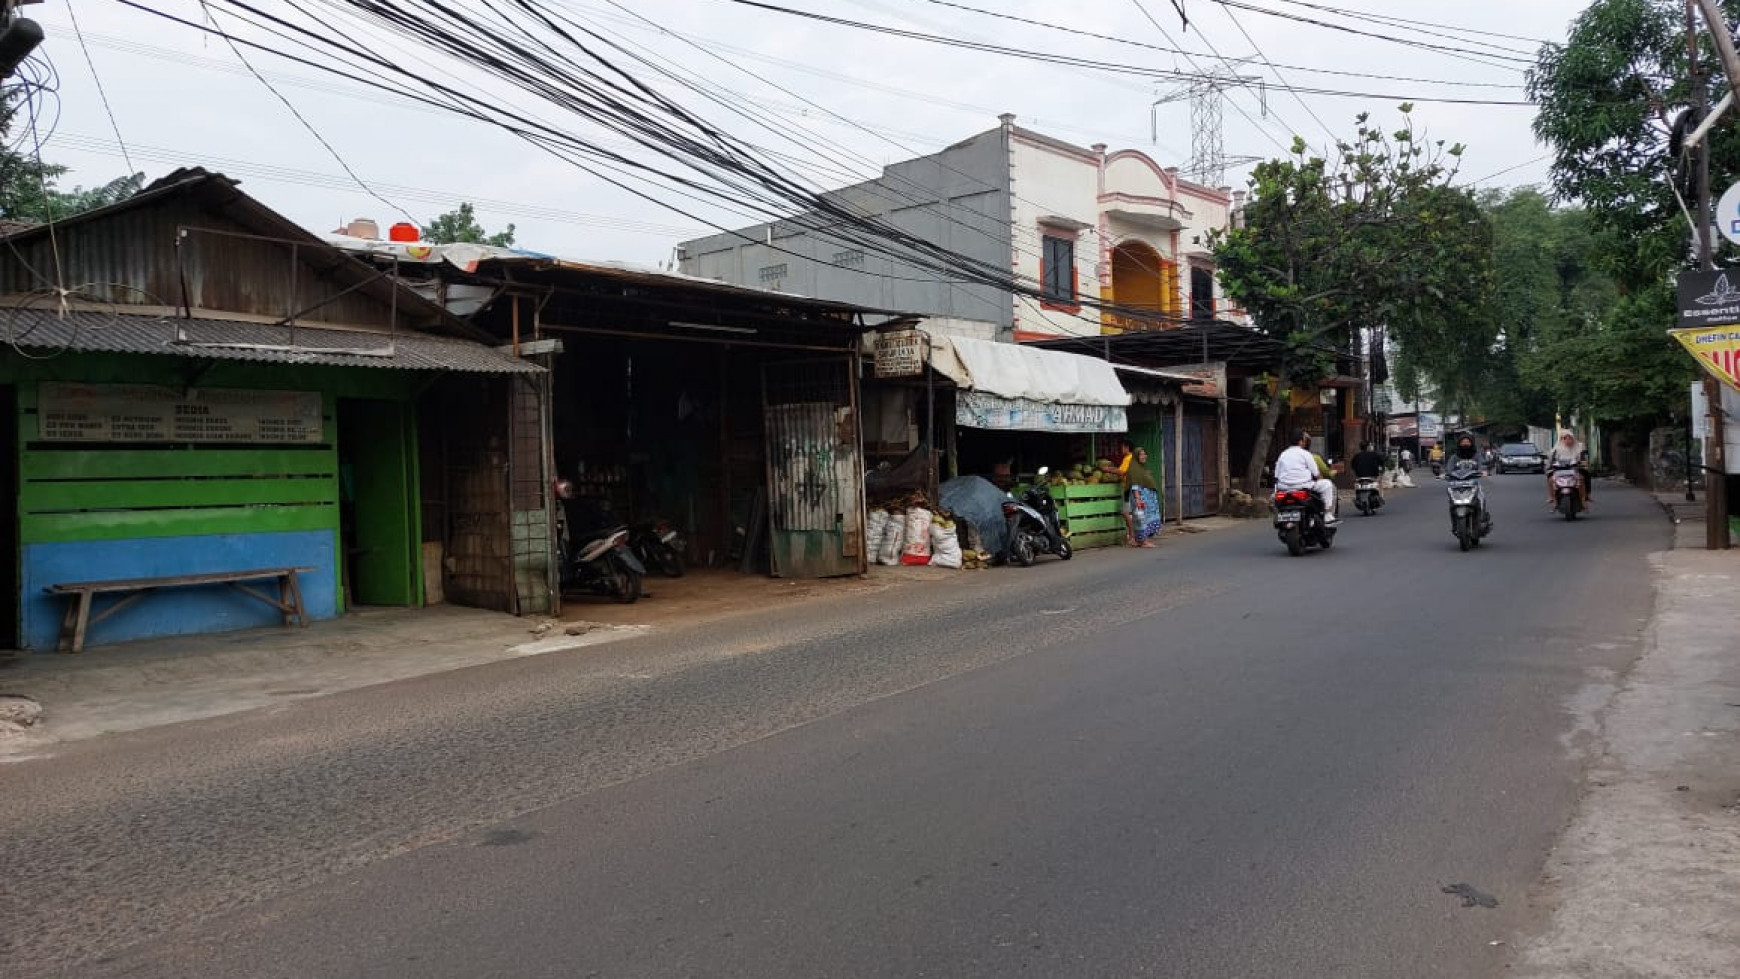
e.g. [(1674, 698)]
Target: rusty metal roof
[(140, 233), (43, 331)]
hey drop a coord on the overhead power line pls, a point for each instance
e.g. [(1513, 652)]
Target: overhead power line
[(276, 173), (1095, 64), (558, 64), (1488, 57), (1280, 77), (1207, 93), (1507, 170), (1132, 42), (102, 93), (330, 149), (1390, 18)]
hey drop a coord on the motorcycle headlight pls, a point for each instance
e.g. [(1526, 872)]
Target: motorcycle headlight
[(1462, 494)]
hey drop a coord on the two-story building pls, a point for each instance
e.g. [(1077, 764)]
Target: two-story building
[(1081, 226)]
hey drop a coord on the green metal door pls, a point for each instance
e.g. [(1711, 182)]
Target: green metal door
[(377, 444)]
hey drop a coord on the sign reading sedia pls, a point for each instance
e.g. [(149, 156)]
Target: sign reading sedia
[(1717, 350)]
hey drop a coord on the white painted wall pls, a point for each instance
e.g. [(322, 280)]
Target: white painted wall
[(1048, 181), (1210, 211)]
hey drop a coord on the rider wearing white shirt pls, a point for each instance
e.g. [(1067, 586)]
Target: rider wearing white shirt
[(1297, 469)]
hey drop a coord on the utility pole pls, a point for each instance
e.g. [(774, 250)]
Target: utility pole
[(1715, 465)]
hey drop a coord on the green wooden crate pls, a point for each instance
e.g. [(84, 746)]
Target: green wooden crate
[(1101, 491), (1088, 525), (1090, 508), (1102, 538)]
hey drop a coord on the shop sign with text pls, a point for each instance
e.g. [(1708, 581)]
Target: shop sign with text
[(150, 413), (900, 353), (1717, 351), (976, 409), (1708, 299)]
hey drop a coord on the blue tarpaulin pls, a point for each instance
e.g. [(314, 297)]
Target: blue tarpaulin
[(979, 502)]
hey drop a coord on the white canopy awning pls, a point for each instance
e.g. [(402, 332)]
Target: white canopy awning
[(1009, 387), (1011, 370)]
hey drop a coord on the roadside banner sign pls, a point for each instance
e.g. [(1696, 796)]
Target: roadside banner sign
[(1717, 350), (1708, 298)]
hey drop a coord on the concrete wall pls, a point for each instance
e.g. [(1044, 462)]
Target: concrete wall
[(1053, 180), (1210, 211), (957, 198), (992, 197)]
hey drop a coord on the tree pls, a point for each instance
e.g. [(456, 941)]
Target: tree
[(1607, 100), (64, 203), (23, 177), (461, 225), (1371, 235), (1547, 292), (27, 184)]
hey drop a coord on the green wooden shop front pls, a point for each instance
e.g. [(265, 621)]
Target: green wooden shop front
[(342, 500)]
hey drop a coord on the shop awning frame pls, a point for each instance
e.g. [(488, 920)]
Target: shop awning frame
[(46, 332), (1192, 343)]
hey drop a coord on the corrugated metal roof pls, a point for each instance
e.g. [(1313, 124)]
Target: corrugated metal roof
[(467, 257), (38, 330)]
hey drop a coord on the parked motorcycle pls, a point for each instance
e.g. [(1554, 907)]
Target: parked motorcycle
[(1568, 491), (1470, 521), (1299, 521), (1033, 525), (1366, 496), (659, 546), (594, 551)]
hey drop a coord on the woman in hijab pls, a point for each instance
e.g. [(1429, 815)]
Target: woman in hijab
[(1142, 500), (1568, 452)]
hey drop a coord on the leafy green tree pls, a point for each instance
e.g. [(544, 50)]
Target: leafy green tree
[(27, 184), (1607, 98), (23, 177), (461, 225), (1370, 235), (65, 203)]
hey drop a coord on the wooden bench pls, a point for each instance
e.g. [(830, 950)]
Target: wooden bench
[(82, 595)]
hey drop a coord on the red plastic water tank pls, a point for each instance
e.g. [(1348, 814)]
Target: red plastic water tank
[(404, 231)]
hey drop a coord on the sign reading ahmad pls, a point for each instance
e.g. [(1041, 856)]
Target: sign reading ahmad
[(976, 409)]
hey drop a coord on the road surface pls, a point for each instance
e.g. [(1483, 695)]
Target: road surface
[(1208, 760)]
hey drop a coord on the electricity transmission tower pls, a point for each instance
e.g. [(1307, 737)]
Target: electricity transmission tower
[(1206, 94)]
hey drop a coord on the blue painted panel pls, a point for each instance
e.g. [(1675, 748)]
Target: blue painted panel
[(175, 611)]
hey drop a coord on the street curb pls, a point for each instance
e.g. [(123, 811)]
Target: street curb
[(1667, 509)]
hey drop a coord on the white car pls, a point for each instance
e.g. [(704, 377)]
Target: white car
[(1521, 458)]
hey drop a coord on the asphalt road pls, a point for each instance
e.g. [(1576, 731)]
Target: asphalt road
[(1206, 760)]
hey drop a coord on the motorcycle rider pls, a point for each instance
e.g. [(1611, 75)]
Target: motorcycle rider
[(1366, 464), (1464, 463), (1568, 452), (1298, 469)]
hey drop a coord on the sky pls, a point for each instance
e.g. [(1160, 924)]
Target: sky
[(828, 104)]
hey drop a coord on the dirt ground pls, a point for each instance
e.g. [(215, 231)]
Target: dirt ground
[(705, 594)]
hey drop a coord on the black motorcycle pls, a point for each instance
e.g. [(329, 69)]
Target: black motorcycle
[(1300, 521), (594, 551), (1470, 521), (1367, 497), (659, 546), (1033, 525)]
